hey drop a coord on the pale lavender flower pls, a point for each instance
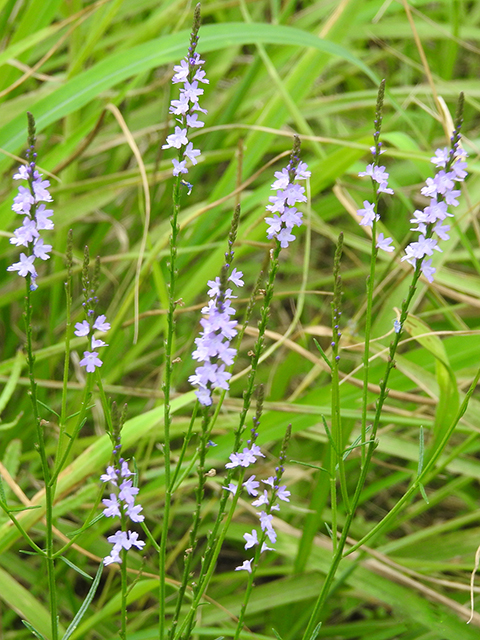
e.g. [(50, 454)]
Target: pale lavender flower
[(282, 493), (251, 539), (41, 250), (179, 167), (101, 325), (110, 475), (262, 499), (232, 487), (27, 202), (288, 193), (442, 194), (384, 243), (191, 153), (112, 506), (251, 486), (124, 501), (246, 566), (368, 214), (24, 267), (189, 73), (82, 329), (213, 344), (91, 361)]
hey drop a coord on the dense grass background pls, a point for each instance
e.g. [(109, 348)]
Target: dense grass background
[(97, 78)]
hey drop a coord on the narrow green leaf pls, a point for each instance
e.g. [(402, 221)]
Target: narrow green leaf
[(322, 352), (88, 85), (12, 381), (75, 568), (316, 631), (86, 603), (31, 628)]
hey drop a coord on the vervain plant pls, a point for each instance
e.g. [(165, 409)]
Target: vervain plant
[(220, 485)]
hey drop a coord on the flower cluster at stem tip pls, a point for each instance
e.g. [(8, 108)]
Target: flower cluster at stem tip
[(122, 500), (36, 218), (266, 498), (213, 344), (85, 329), (442, 193), (190, 73), (429, 221), (285, 215), (379, 177)]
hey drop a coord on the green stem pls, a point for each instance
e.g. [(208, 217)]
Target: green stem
[(208, 564), (370, 448), (172, 303), (193, 541), (49, 491), (211, 554)]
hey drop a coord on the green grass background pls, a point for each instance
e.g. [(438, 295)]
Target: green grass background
[(275, 68)]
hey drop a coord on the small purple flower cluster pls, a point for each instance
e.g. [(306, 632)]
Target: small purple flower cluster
[(123, 500), (442, 193), (267, 497), (85, 329), (369, 213), (213, 344), (285, 215), (189, 72), (36, 219)]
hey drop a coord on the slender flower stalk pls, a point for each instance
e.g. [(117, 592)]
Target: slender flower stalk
[(270, 500), (36, 218), (451, 158), (189, 73), (214, 352), (379, 178), (280, 225)]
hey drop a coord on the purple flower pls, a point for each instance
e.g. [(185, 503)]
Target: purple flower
[(442, 194), (282, 204), (262, 499), (127, 492), (179, 167), (41, 250), (251, 539), (368, 214), (190, 74), (100, 324), (112, 506), (82, 328), (124, 501), (384, 243), (246, 566), (90, 361), (176, 139), (251, 486), (24, 267), (213, 349), (110, 475), (36, 218), (191, 153), (282, 493)]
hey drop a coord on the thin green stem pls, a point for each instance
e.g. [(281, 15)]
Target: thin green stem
[(209, 568), (49, 491), (193, 538), (172, 304), (208, 563), (370, 448)]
